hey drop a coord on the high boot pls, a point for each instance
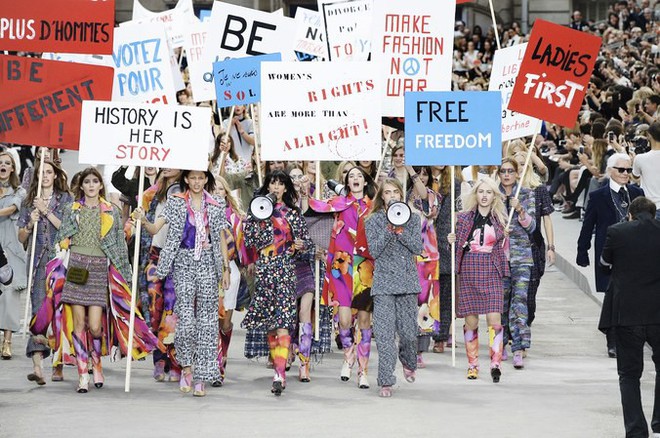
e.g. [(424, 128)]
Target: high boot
[(80, 347), (363, 351), (280, 352), (346, 339), (496, 344), (472, 351), (223, 349), (97, 368), (305, 351)]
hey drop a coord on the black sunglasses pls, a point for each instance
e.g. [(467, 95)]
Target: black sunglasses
[(624, 169)]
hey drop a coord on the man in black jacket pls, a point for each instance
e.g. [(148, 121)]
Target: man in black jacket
[(632, 305)]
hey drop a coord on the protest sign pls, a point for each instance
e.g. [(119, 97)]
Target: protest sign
[(243, 32), (312, 112), (412, 47), (141, 59), (135, 134), (238, 81), (348, 29), (67, 26), (41, 100), (555, 73), (103, 60), (310, 40), (175, 21), (195, 39), (506, 66), (453, 128)]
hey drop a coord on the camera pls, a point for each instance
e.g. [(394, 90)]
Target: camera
[(641, 145)]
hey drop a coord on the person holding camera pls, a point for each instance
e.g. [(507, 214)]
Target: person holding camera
[(646, 167), (632, 305), (395, 286)]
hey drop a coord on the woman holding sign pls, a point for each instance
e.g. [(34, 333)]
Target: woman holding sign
[(45, 213), (349, 269), (481, 265), (516, 286)]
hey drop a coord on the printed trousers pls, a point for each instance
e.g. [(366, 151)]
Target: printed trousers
[(514, 318), (395, 315), (196, 335)]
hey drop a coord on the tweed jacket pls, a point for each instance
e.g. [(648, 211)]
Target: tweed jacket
[(176, 214), (395, 268), (464, 225), (113, 242)]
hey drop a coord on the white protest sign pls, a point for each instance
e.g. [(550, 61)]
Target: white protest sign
[(412, 47), (506, 66), (174, 20), (240, 32), (310, 39), (312, 112), (132, 134), (141, 59), (348, 29), (195, 39)]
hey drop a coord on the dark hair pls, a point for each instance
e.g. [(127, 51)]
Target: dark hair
[(418, 169), (640, 206), (60, 184), (290, 197), (210, 180), (654, 98), (217, 152), (654, 131), (370, 186), (78, 191)]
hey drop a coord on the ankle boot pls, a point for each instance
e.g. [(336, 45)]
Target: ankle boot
[(80, 347), (346, 339), (472, 351), (305, 351), (496, 344), (279, 352), (363, 351), (97, 368)]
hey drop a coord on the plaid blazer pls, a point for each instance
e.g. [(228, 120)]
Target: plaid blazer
[(464, 225)]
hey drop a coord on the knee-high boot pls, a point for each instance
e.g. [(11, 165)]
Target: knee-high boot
[(305, 351), (97, 368), (363, 351), (495, 343), (347, 343), (279, 350), (80, 347), (472, 351), (223, 349)]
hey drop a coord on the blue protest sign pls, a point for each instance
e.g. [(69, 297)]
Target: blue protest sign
[(238, 81), (453, 128), (204, 15)]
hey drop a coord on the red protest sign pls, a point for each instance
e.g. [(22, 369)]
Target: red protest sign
[(41, 101), (61, 26), (554, 73)]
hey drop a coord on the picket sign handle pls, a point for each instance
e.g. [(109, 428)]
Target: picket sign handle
[(492, 14), (453, 266), (134, 287), (385, 149), (317, 266), (223, 156), (34, 246), (524, 171), (257, 153)]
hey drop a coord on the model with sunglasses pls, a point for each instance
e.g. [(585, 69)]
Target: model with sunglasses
[(607, 206), (523, 224)]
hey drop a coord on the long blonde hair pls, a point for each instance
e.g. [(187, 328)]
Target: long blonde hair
[(379, 203), (231, 200), (530, 179), (497, 209), (14, 182)]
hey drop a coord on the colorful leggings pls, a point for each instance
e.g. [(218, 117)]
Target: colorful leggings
[(515, 307), (162, 320)]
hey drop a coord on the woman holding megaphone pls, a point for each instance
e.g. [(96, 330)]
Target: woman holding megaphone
[(278, 239), (394, 248)]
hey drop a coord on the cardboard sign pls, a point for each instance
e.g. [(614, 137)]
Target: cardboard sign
[(141, 59), (413, 48), (348, 29), (41, 100), (132, 134), (195, 39), (453, 128), (312, 112), (238, 81), (67, 26), (175, 20), (555, 73), (506, 66), (240, 32), (310, 38)]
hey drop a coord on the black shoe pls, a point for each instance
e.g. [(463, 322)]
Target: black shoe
[(611, 352), (216, 383), (574, 215), (277, 388), (569, 207), (495, 373)]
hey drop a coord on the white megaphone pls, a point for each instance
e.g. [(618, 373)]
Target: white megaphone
[(398, 213), (261, 207), (337, 187)]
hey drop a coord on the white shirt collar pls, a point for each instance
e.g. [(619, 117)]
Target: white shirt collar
[(616, 187)]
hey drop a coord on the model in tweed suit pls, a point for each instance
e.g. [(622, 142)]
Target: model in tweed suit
[(395, 287)]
